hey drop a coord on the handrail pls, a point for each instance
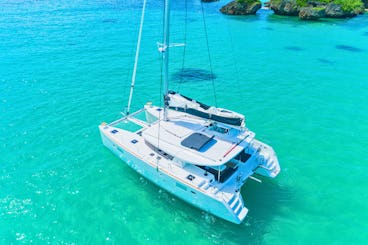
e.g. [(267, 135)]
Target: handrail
[(125, 117)]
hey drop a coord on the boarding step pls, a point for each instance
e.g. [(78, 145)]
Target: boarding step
[(266, 157), (270, 166), (242, 213), (236, 208), (237, 212), (232, 199), (235, 204)]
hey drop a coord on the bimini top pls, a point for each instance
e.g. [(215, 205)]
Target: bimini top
[(185, 104)]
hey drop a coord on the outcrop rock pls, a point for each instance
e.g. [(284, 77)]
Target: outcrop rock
[(241, 7), (365, 2), (315, 9), (285, 7), (335, 11), (311, 13)]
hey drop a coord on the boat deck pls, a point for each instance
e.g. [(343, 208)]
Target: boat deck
[(194, 176), (195, 140)]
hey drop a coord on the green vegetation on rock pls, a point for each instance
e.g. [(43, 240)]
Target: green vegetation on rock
[(350, 5), (276, 1), (346, 5), (302, 3), (318, 8), (247, 1), (325, 1)]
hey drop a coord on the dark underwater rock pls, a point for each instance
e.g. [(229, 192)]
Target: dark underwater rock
[(110, 21), (241, 7), (326, 61), (193, 74), (294, 48), (348, 48)]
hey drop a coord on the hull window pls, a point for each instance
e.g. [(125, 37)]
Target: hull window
[(181, 186)]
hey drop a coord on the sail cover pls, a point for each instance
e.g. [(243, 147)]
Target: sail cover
[(182, 103)]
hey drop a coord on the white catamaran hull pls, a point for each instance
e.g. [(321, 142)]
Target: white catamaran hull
[(199, 153), (230, 208)]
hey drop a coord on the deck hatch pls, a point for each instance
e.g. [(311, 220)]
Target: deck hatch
[(190, 177), (196, 141)]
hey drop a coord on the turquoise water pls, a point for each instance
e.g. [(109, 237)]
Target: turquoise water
[(65, 67)]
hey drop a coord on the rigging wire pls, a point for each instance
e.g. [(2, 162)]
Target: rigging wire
[(162, 57), (209, 55), (137, 55), (234, 61), (161, 85), (185, 44), (129, 69)]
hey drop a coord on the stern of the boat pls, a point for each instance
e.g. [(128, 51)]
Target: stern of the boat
[(268, 163), (235, 205)]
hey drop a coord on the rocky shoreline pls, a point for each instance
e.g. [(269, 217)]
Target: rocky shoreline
[(305, 9), (241, 7)]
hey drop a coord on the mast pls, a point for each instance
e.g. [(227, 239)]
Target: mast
[(165, 53), (136, 57)]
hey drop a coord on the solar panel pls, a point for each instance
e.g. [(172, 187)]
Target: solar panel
[(196, 141)]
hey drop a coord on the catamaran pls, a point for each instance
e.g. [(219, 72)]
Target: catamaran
[(200, 153)]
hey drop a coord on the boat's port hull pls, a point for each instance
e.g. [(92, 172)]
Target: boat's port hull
[(211, 203)]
